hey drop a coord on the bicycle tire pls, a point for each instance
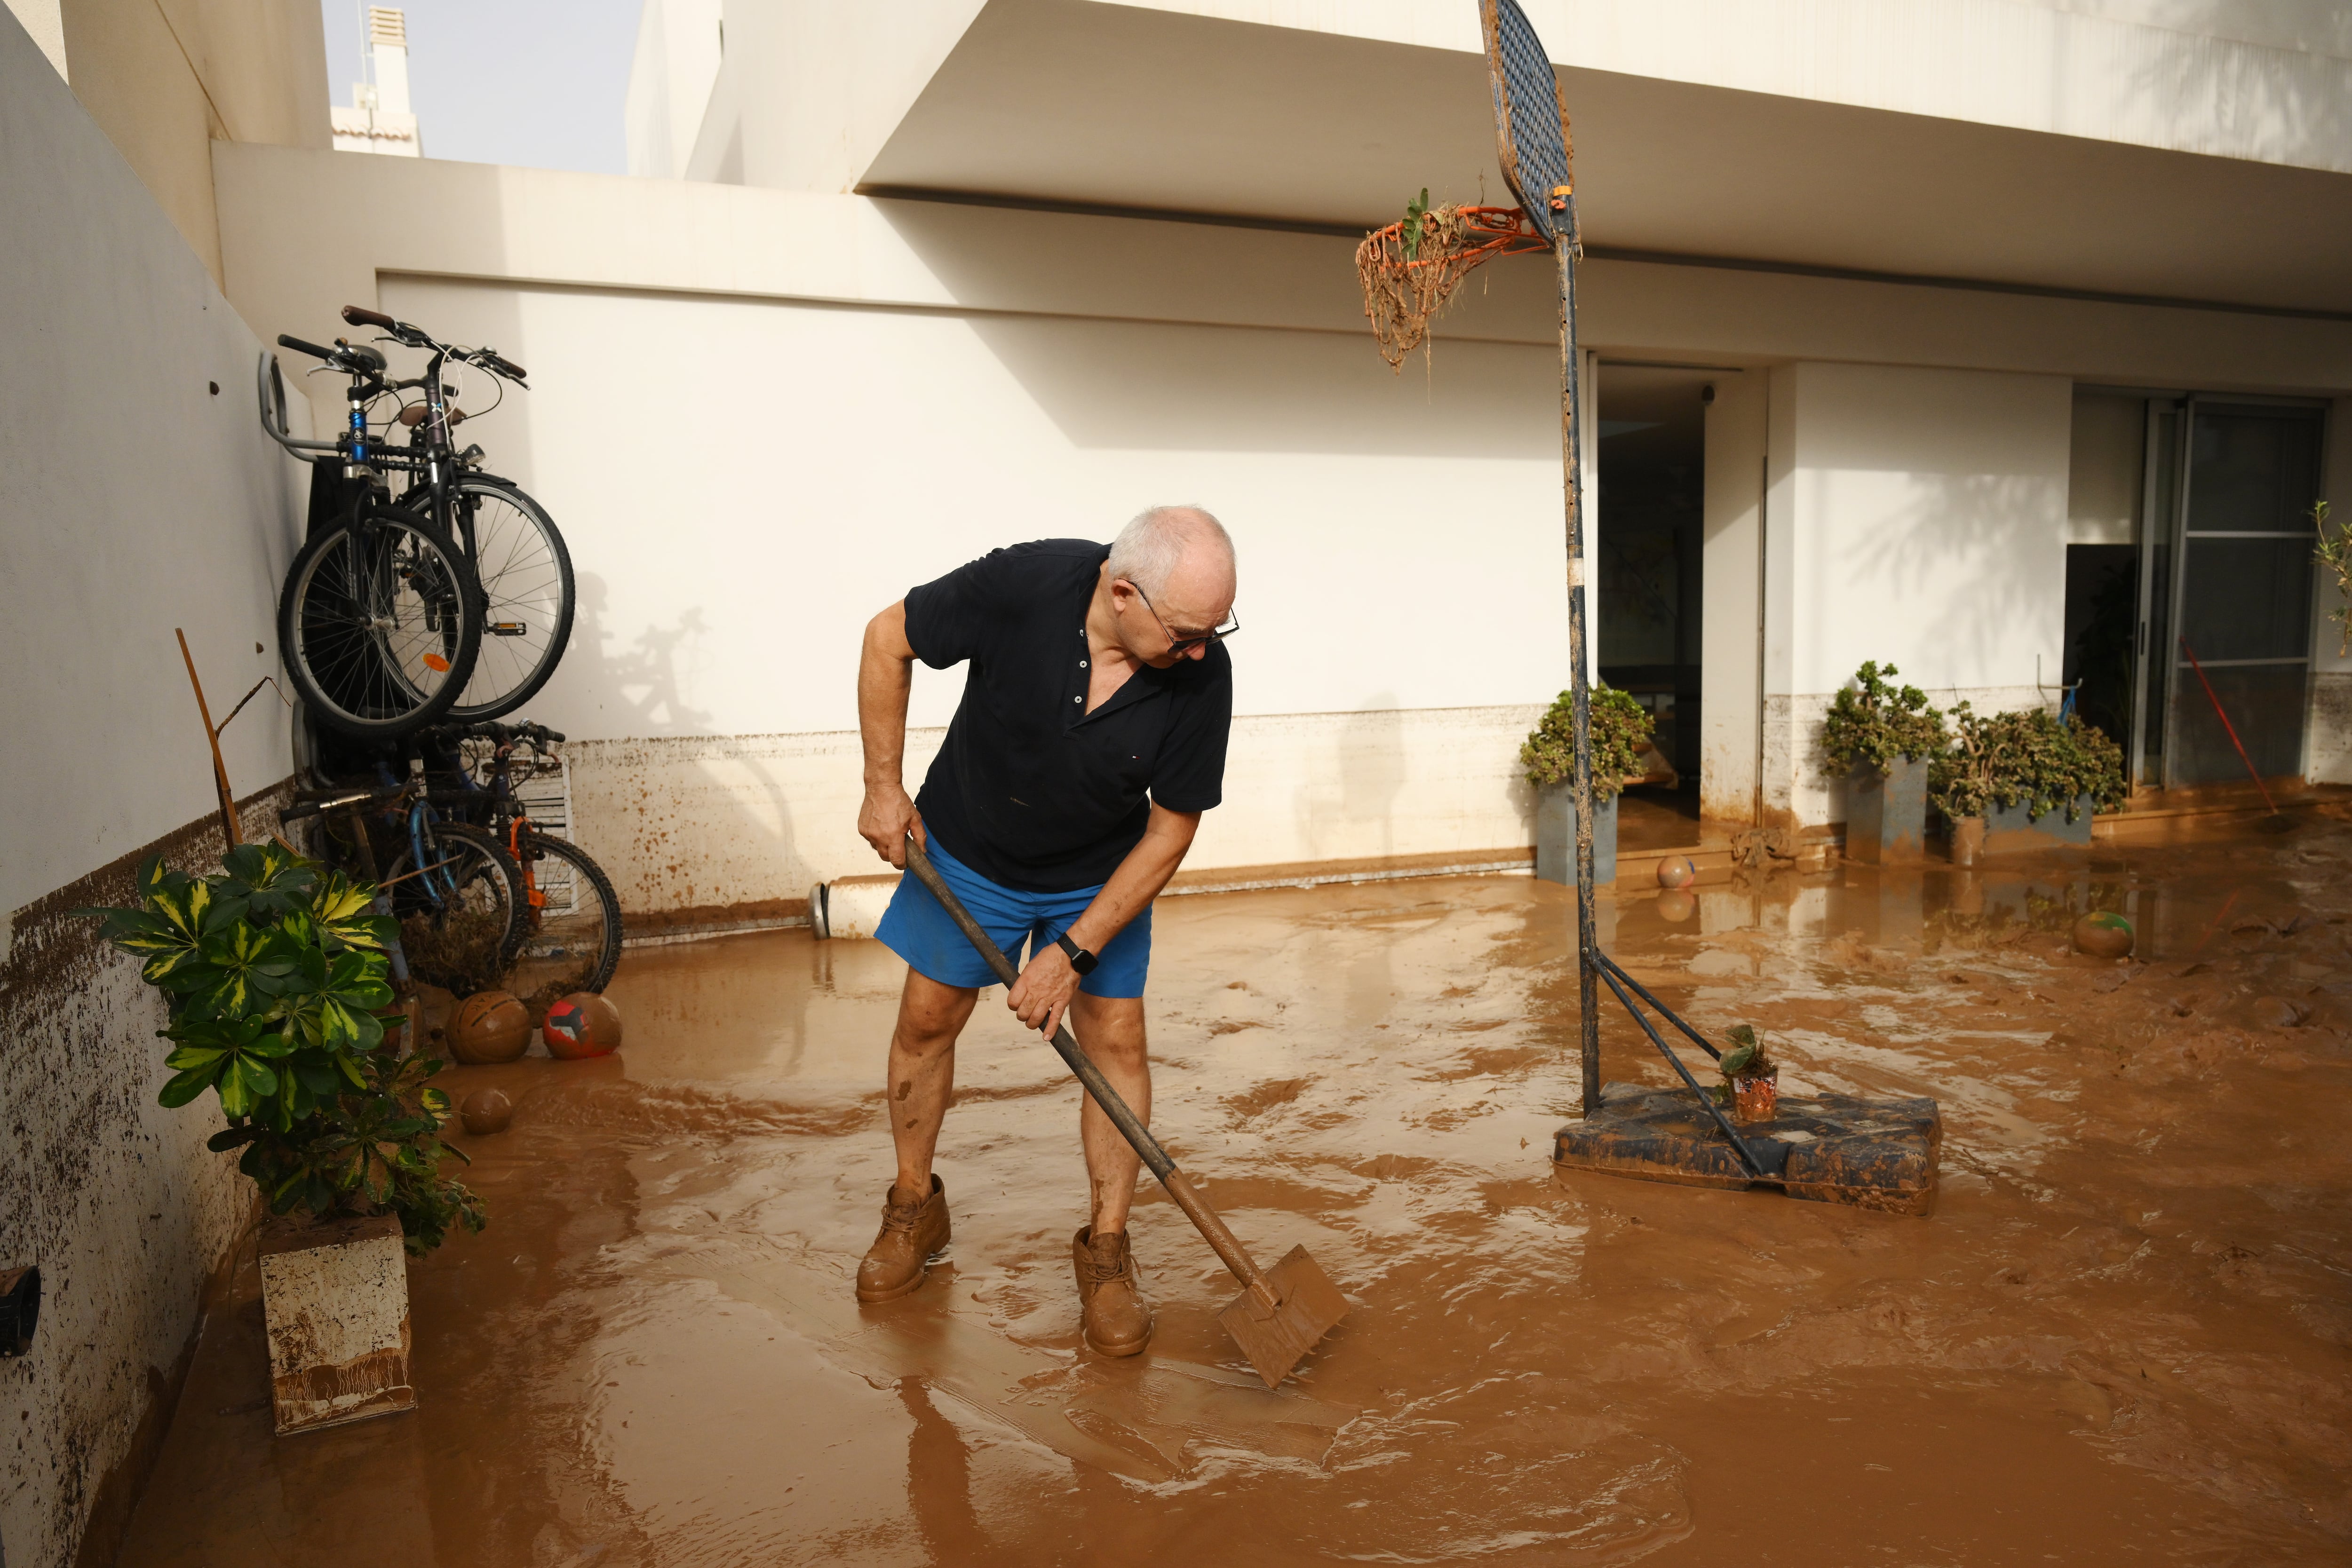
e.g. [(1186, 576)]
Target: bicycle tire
[(573, 925), (379, 622), (439, 950), (524, 571)]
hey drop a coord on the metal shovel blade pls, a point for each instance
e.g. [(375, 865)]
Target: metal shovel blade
[(1275, 1339)]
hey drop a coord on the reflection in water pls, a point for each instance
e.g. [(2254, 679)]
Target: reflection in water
[(2121, 1336)]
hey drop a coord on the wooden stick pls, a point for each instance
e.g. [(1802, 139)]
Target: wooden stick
[(229, 828)]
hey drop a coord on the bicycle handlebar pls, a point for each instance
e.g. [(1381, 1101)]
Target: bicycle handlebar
[(501, 365), (358, 318), (299, 347)]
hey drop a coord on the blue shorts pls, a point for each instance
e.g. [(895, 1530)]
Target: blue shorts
[(919, 930)]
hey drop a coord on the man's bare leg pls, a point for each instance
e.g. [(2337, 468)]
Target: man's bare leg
[(1115, 1317), (922, 1071), (1110, 1031), (922, 1076)]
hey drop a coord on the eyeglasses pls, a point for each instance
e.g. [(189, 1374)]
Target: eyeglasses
[(1186, 644)]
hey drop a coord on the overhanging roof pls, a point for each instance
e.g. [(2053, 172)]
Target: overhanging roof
[(1074, 102)]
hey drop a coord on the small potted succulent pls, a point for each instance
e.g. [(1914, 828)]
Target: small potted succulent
[(1620, 725), (1751, 1080), (277, 976), (1884, 739)]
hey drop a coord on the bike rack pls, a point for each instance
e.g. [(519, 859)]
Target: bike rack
[(269, 387)]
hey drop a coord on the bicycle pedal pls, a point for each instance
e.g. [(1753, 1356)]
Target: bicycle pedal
[(506, 628)]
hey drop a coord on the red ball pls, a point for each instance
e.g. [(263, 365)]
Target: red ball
[(582, 1024)]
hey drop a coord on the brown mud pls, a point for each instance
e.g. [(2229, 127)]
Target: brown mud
[(2121, 1335)]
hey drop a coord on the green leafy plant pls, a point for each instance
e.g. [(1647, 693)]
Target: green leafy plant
[(1620, 724), (1745, 1059), (1415, 212), (2334, 553), (1874, 721), (276, 969), (2032, 758)]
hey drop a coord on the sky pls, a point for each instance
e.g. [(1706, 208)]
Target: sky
[(539, 83)]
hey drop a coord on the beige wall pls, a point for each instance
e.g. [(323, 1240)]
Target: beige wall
[(134, 499), (166, 78)]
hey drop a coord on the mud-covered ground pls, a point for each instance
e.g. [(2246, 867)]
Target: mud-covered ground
[(2120, 1337)]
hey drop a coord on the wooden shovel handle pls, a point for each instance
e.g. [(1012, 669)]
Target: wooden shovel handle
[(1196, 1209)]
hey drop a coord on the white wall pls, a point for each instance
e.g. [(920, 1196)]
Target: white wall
[(132, 500), (1731, 588), (670, 73), (761, 415), (1926, 528)]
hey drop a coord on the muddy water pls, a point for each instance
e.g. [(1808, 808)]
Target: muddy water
[(2121, 1335)]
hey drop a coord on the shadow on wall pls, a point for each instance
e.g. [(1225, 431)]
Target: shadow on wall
[(643, 685), (692, 826), (1965, 559), (1155, 386), (1107, 379)]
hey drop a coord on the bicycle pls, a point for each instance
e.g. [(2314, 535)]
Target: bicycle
[(378, 621), (572, 930), (520, 568), (455, 892)]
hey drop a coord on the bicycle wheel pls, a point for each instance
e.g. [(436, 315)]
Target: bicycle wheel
[(526, 576), (460, 917), (379, 624), (571, 922)]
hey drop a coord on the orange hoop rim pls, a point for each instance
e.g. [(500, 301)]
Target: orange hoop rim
[(1506, 231)]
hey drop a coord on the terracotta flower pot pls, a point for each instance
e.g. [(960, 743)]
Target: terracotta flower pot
[(1967, 840), (1755, 1097)]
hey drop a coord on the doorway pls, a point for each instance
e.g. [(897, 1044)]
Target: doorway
[(1649, 601)]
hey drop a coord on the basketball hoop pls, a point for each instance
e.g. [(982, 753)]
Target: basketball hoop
[(1412, 267)]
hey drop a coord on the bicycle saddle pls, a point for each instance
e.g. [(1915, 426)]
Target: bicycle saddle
[(414, 414)]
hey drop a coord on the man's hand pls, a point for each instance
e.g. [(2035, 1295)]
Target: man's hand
[(1041, 992), (885, 821)]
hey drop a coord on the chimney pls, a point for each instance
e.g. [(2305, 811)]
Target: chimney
[(379, 119)]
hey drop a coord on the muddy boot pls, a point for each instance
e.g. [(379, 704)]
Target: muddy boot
[(1117, 1319), (912, 1232)]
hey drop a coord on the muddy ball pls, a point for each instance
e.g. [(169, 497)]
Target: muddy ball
[(1676, 904), (2104, 936), (490, 1027), (1676, 871), (485, 1111), (582, 1024)]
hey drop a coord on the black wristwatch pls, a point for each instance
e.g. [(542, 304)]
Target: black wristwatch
[(1081, 960)]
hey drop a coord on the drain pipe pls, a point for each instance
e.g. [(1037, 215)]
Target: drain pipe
[(850, 906)]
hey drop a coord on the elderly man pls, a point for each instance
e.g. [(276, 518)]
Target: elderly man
[(1090, 738)]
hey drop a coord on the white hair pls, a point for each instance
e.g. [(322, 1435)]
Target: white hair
[(1148, 548)]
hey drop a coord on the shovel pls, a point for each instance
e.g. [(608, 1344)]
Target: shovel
[(1284, 1310)]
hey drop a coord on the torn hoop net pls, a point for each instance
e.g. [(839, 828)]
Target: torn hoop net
[(1411, 268)]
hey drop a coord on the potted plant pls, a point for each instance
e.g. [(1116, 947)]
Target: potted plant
[(1618, 726), (2030, 781), (1751, 1080), (275, 970), (1884, 738)]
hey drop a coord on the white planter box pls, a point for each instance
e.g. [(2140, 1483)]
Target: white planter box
[(335, 1297)]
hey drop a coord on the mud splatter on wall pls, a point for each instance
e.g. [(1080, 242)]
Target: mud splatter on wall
[(117, 1201)]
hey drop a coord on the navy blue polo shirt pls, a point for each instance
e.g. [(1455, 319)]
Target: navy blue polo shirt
[(1030, 790)]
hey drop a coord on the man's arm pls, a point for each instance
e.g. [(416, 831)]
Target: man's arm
[(885, 675), (1048, 983)]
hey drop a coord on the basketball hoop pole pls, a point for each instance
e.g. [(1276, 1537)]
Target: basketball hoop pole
[(1571, 436)]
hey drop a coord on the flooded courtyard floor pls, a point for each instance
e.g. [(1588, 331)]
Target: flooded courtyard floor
[(2121, 1336)]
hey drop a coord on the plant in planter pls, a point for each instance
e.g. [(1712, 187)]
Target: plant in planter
[(1884, 737), (1618, 726), (1751, 1080), (2008, 771), (2334, 553), (276, 969)]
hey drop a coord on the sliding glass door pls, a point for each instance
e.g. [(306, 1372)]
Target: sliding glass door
[(2226, 589)]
